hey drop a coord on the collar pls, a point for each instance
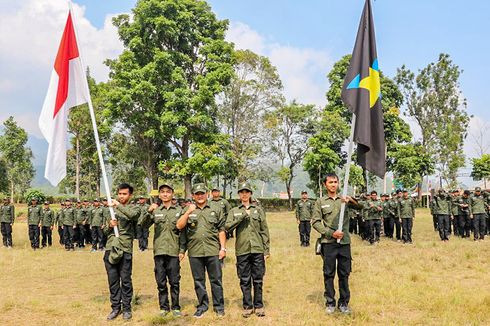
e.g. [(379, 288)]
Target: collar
[(249, 206)]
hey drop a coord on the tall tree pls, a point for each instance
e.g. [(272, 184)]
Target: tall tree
[(290, 127), (410, 164), (254, 89), (175, 61), (433, 98), (481, 168), (13, 150)]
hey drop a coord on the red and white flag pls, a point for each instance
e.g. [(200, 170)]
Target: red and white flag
[(67, 88)]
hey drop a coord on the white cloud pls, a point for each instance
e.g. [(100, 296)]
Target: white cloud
[(302, 70), (31, 32)]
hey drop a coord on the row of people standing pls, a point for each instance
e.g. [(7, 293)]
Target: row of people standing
[(464, 213)]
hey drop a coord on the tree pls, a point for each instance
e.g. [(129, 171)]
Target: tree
[(13, 150), (165, 82), (410, 164), (433, 98), (254, 89), (290, 127), (4, 185), (481, 168)]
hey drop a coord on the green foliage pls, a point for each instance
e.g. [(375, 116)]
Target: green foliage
[(4, 185), (481, 167), (34, 194), (433, 99), (164, 83), (410, 163), (17, 157)]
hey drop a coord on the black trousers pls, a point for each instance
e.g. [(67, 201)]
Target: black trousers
[(434, 221), (304, 232), (88, 233), (68, 234), (199, 266), (60, 233), (97, 236), (389, 225), (167, 269), (336, 257), (353, 225), (6, 234), (363, 228), (374, 230), (468, 225), (398, 228), (80, 235), (120, 282), (251, 271), (461, 223), (454, 223), (443, 222), (34, 236), (407, 224), (479, 225), (142, 235), (47, 236)]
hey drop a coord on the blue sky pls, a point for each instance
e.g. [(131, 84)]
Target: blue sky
[(302, 38)]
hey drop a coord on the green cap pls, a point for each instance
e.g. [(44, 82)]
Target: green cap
[(166, 184), (199, 187), (478, 189), (245, 186)]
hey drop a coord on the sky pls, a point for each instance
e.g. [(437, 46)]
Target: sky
[(302, 39)]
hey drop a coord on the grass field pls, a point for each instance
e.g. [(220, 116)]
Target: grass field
[(428, 283)]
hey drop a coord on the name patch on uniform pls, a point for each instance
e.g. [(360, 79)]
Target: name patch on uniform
[(158, 215), (325, 206), (192, 215), (237, 214)]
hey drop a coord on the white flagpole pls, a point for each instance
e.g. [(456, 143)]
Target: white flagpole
[(347, 172), (94, 126)]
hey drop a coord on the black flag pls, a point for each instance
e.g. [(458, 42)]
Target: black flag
[(361, 93)]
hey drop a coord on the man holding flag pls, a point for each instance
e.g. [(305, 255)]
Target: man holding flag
[(361, 94)]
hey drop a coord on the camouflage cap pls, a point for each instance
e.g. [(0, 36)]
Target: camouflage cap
[(166, 184), (477, 188), (215, 189), (245, 186), (46, 203), (304, 192), (199, 187)]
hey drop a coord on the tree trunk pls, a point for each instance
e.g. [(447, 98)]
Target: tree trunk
[(365, 176), (288, 190), (188, 185), (77, 168), (187, 177), (12, 192)]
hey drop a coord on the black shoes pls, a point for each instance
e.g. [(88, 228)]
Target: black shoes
[(199, 313), (127, 315), (113, 315)]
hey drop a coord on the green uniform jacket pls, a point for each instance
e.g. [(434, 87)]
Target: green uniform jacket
[(168, 240), (222, 204), (202, 231), (392, 208), (442, 205), (464, 210), (127, 216), (69, 217), (59, 217), (373, 212), (432, 207), (477, 204), (89, 210), (34, 214), (7, 214), (304, 209), (325, 219), (406, 208), (82, 215), (47, 218), (143, 211), (252, 232), (97, 216), (455, 205)]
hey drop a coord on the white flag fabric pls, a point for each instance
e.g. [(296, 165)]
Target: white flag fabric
[(67, 88)]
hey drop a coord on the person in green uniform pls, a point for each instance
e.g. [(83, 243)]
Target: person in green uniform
[(168, 248), (406, 213), (204, 229), (455, 199), (88, 231), (442, 208), (464, 223), (374, 215), (59, 222), (142, 233), (218, 202), (304, 208), (7, 217), (47, 222), (432, 207), (97, 223), (118, 257), (81, 220), (34, 214), (69, 222), (335, 244), (252, 248), (478, 214)]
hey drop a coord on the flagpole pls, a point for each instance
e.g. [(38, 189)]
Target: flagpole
[(347, 172), (96, 133)]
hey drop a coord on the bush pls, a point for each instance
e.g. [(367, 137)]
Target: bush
[(34, 193)]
